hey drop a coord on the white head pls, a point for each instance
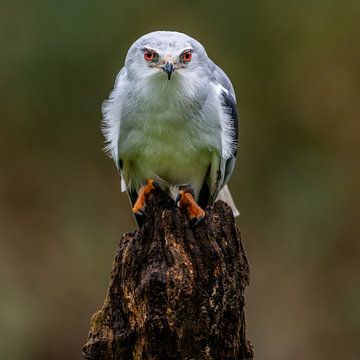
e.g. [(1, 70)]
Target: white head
[(165, 55)]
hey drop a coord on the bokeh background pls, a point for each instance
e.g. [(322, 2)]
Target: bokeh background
[(295, 66)]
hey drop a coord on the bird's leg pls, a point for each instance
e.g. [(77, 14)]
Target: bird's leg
[(186, 200), (143, 192)]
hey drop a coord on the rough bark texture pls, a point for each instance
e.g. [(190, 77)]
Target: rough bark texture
[(175, 292)]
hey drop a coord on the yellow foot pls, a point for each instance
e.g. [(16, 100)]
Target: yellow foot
[(143, 192), (195, 212)]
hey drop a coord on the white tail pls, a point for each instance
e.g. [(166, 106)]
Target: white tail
[(225, 195)]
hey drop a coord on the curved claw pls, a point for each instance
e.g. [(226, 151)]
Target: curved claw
[(156, 185), (194, 222), (177, 199), (142, 213)]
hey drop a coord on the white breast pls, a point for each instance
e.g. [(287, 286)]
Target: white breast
[(166, 138)]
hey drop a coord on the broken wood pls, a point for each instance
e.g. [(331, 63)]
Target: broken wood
[(175, 292)]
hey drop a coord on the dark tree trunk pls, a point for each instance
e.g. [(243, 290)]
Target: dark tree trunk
[(175, 292)]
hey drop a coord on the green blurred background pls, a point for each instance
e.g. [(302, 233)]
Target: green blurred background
[(295, 66)]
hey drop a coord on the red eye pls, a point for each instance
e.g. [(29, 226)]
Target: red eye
[(149, 55), (186, 57)]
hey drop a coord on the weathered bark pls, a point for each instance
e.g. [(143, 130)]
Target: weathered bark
[(175, 292)]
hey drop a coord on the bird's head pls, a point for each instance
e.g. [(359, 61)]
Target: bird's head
[(165, 55)]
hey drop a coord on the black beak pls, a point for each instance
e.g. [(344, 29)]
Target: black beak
[(169, 69)]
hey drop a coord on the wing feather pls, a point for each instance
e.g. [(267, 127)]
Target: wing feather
[(112, 111), (222, 167)]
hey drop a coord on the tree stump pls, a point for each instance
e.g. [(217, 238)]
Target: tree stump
[(175, 292)]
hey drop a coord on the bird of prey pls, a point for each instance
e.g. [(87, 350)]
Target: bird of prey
[(171, 123)]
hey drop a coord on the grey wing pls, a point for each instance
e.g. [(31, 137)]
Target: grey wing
[(228, 103), (112, 109), (222, 79), (223, 166), (112, 112)]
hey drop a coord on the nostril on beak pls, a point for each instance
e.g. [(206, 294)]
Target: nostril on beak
[(169, 69)]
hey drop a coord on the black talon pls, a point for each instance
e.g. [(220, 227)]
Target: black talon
[(178, 197), (156, 185), (143, 214), (196, 221)]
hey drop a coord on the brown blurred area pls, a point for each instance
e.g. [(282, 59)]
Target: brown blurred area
[(295, 66)]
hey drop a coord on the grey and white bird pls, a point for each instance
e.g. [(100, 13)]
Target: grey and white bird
[(171, 122)]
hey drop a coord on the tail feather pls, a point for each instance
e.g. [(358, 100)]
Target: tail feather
[(225, 195)]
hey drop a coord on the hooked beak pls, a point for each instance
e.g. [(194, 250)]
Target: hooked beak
[(169, 69)]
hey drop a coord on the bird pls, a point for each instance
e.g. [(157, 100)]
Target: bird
[(171, 123)]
